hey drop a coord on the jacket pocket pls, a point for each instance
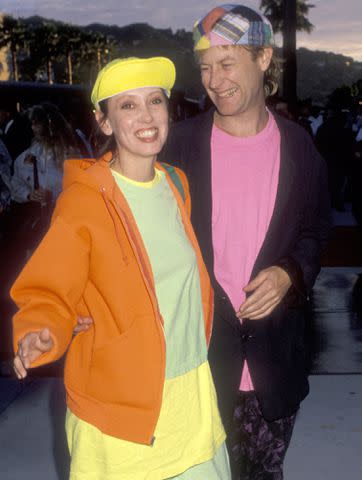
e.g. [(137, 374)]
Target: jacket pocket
[(123, 369)]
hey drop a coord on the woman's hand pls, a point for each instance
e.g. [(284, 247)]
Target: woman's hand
[(40, 195), (30, 348)]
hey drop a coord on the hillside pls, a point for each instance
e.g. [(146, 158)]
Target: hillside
[(319, 73)]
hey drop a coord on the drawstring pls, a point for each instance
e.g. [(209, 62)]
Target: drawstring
[(115, 223)]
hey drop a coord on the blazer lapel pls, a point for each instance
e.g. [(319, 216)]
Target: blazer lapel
[(278, 222), (200, 186)]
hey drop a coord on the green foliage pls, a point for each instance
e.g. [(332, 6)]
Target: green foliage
[(273, 10), (47, 50), (12, 33), (84, 50), (319, 73)]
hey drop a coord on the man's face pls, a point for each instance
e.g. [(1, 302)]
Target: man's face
[(233, 79)]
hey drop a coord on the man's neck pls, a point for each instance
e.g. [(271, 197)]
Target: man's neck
[(245, 124)]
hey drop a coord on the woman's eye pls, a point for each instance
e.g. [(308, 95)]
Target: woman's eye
[(156, 100), (127, 106)]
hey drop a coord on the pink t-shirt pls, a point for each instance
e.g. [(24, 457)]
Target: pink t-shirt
[(245, 173)]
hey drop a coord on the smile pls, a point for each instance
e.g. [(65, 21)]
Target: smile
[(147, 134), (227, 93)]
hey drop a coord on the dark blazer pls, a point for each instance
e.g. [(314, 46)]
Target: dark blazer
[(274, 346)]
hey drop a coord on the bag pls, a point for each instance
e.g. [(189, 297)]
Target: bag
[(175, 179)]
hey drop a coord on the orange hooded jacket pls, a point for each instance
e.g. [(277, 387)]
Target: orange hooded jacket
[(92, 262)]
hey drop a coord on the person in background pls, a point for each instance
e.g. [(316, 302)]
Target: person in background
[(5, 173), (4, 198), (15, 130), (121, 249), (336, 143), (53, 142), (261, 216)]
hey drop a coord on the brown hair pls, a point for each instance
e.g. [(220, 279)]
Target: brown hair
[(57, 135), (103, 143)]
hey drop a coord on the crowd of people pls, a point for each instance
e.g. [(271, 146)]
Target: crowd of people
[(337, 133), (178, 299)]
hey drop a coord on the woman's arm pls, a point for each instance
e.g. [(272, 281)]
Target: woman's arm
[(19, 187), (30, 348), (48, 291)]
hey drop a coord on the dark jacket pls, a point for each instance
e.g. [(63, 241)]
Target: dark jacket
[(274, 346)]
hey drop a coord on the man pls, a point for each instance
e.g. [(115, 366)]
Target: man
[(260, 212)]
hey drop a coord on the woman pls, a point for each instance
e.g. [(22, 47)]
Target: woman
[(38, 173), (53, 142), (141, 402), (5, 164)]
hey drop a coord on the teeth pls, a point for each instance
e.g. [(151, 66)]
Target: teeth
[(228, 93), (147, 133)]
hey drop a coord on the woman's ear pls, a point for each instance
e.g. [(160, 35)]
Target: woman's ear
[(103, 123)]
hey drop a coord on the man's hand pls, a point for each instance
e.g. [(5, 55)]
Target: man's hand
[(268, 290), (30, 347), (83, 323)]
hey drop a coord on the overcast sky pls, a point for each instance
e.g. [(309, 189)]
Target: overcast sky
[(338, 23)]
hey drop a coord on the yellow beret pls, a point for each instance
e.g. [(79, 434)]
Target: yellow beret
[(125, 74)]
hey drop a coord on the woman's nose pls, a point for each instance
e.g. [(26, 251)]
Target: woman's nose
[(146, 114)]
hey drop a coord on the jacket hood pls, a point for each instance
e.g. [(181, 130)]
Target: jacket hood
[(88, 171), (95, 173)]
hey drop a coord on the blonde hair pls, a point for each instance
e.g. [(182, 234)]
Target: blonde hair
[(272, 74)]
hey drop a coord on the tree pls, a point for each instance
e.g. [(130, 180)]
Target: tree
[(274, 11), (70, 47), (13, 36), (288, 17), (46, 45)]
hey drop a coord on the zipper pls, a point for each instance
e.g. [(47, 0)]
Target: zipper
[(151, 293)]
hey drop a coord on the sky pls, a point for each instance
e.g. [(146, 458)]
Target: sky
[(338, 23)]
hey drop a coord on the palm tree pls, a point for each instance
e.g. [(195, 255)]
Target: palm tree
[(46, 45), (96, 49), (70, 47), (99, 46), (13, 36), (288, 17), (274, 10)]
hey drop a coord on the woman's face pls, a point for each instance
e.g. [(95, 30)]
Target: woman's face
[(38, 128), (139, 121)]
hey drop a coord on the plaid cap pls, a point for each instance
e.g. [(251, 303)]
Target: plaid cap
[(232, 24)]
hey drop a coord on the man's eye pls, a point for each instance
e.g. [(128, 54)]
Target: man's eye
[(227, 65)]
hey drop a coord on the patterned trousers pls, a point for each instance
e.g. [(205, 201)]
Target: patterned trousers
[(258, 447)]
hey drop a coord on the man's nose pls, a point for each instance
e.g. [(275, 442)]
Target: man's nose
[(215, 79)]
